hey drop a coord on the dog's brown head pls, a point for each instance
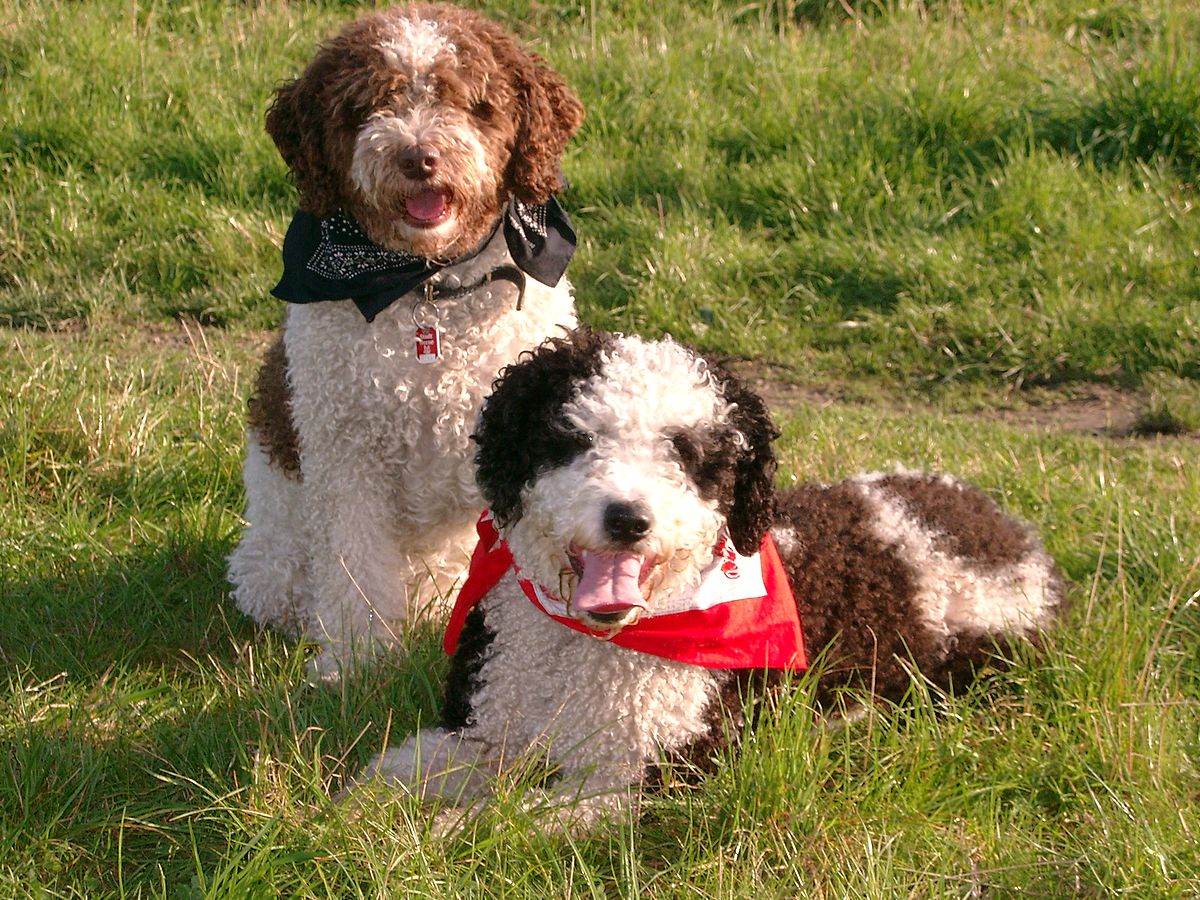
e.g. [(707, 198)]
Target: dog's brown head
[(420, 122)]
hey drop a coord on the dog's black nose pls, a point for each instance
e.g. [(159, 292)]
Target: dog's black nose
[(419, 162), (626, 523)]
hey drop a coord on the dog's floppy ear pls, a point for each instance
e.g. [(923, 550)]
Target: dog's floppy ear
[(297, 121), (753, 505), (549, 114), (520, 433)]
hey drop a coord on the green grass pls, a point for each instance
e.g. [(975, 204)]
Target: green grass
[(944, 203)]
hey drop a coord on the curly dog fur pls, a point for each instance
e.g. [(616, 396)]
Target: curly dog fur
[(892, 573), (420, 124)]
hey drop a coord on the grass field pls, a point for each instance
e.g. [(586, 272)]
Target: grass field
[(940, 223)]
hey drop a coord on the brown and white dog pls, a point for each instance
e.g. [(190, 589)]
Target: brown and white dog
[(425, 144), (621, 621)]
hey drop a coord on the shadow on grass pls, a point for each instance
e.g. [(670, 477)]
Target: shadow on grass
[(1149, 121), (154, 606), (151, 730), (216, 167), (130, 784), (53, 146)]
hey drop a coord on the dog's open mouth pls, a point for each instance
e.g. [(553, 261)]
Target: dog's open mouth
[(428, 208), (610, 587)]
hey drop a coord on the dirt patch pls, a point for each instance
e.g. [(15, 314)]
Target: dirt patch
[(773, 382), (1094, 409), (784, 395), (1087, 409)]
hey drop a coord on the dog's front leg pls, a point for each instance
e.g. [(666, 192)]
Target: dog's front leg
[(435, 765), (578, 807), (359, 574)]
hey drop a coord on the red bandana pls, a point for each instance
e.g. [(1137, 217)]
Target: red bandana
[(739, 618)]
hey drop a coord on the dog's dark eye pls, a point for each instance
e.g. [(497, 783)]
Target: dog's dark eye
[(483, 111), (708, 459), (571, 437), (689, 448)]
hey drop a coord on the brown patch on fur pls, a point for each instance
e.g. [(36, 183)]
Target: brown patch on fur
[(964, 521), (854, 594), (522, 112), (270, 412)]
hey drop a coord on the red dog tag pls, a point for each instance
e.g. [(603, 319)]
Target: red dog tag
[(429, 344)]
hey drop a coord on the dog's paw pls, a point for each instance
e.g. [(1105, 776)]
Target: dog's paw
[(325, 669), (434, 766)]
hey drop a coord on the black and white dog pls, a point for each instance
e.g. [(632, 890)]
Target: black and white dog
[(636, 574)]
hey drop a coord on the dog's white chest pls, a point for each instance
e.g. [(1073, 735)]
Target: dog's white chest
[(359, 391), (591, 704)]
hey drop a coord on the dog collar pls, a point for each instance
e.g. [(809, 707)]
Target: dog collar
[(752, 623), (333, 259)]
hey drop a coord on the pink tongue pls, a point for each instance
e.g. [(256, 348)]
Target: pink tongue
[(426, 206), (609, 583)]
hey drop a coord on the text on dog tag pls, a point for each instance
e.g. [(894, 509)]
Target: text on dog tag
[(429, 344)]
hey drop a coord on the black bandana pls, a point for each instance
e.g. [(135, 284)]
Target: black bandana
[(332, 259)]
